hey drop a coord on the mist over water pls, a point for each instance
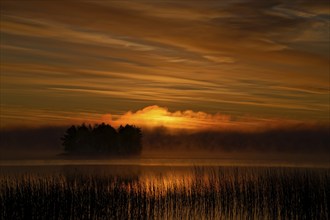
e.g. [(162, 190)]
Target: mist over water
[(301, 142)]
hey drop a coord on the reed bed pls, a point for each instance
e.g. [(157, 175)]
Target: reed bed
[(208, 193)]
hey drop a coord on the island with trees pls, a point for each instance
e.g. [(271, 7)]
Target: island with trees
[(103, 139)]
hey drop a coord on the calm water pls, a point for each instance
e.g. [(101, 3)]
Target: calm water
[(175, 162), (145, 168)]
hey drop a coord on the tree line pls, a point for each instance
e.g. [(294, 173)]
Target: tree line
[(103, 138)]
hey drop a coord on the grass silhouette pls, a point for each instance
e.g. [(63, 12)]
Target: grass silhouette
[(210, 193)]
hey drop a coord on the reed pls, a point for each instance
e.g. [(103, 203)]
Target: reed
[(209, 193)]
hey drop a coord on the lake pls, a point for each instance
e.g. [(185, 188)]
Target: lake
[(164, 188)]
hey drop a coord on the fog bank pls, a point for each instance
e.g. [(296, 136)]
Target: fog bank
[(303, 139)]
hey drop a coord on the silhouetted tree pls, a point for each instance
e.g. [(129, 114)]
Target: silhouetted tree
[(70, 139), (84, 142), (130, 140), (103, 139)]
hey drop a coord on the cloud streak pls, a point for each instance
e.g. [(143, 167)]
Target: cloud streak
[(267, 59)]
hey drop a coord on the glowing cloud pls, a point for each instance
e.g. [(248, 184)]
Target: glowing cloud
[(155, 116)]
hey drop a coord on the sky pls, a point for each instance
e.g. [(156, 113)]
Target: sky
[(186, 64)]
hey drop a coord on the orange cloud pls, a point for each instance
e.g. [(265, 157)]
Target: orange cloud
[(155, 116)]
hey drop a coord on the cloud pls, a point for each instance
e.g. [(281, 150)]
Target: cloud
[(154, 116), (220, 59), (36, 28), (102, 56)]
